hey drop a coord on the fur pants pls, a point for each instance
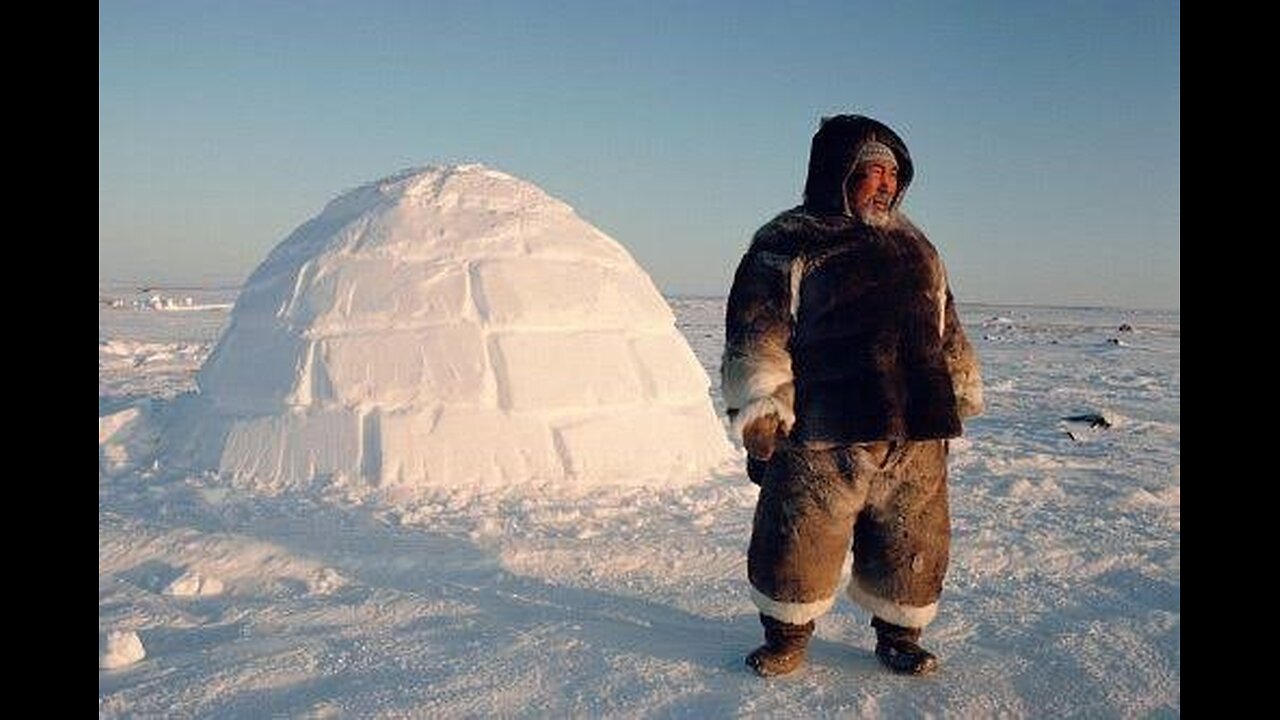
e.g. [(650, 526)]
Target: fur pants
[(885, 500)]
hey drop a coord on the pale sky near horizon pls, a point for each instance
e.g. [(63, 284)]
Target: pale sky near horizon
[(1046, 135)]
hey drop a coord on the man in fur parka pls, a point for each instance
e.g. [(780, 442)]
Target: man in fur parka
[(845, 372)]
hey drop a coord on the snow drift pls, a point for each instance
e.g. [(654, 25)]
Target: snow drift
[(450, 326)]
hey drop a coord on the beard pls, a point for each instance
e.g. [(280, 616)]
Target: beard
[(872, 214)]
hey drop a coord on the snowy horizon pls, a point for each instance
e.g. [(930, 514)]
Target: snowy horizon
[(117, 288)]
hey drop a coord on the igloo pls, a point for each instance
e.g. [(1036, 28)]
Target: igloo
[(452, 326)]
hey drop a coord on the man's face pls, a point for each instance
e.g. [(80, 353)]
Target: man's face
[(874, 185)]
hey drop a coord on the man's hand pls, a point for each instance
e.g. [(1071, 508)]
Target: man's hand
[(760, 436)]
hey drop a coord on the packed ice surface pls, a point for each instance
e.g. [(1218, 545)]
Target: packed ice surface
[(451, 326)]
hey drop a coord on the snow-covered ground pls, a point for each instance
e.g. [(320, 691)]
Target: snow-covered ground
[(1063, 596)]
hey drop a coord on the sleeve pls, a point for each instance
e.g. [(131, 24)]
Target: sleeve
[(755, 370), (962, 363)]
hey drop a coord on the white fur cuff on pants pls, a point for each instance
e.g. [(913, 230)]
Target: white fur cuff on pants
[(788, 612), (905, 615), (762, 407)]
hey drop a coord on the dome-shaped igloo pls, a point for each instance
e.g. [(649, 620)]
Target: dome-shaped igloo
[(452, 326)]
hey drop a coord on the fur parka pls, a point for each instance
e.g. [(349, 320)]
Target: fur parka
[(847, 332)]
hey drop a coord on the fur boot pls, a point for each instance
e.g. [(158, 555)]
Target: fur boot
[(784, 650), (898, 648)]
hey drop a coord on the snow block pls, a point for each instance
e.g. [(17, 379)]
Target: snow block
[(255, 369), (558, 370), (671, 371), (444, 363), (660, 444), (530, 292), (373, 294), (472, 447), (294, 447), (546, 240)]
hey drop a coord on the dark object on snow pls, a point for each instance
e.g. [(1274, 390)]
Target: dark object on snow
[(1126, 327), (1113, 341), (784, 648), (1095, 420), (898, 648)]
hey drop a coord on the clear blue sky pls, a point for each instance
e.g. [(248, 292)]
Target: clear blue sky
[(1046, 134)]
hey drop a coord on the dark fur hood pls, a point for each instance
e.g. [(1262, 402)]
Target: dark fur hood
[(835, 145)]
